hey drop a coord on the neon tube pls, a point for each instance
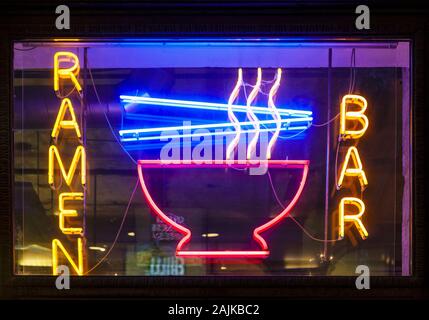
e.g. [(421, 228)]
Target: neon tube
[(276, 113), (66, 73), (353, 116), (205, 134), (211, 126), (355, 218), (223, 254), (252, 116), (264, 252), (207, 106), (237, 125)]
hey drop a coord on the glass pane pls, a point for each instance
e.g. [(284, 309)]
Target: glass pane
[(212, 157)]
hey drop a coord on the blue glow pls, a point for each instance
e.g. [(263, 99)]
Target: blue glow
[(208, 106), (163, 119), (213, 125), (204, 134)]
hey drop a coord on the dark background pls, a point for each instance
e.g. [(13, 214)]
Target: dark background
[(20, 20)]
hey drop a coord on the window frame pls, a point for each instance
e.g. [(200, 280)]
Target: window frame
[(154, 22)]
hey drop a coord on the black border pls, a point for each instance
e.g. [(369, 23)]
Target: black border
[(107, 19)]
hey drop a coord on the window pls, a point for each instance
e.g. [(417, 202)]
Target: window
[(212, 157)]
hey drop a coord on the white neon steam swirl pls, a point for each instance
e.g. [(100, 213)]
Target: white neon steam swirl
[(234, 94), (251, 115), (276, 114)]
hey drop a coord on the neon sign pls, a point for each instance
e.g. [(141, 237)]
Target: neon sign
[(194, 133), (352, 167), (62, 72), (356, 171), (290, 117), (232, 117), (284, 120), (350, 116), (181, 247), (275, 111), (252, 116), (60, 123), (352, 155)]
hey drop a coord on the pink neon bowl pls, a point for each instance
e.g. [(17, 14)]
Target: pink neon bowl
[(181, 249)]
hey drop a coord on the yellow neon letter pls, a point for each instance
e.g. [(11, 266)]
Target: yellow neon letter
[(353, 115), (357, 171), (66, 73), (68, 177), (60, 123), (57, 244), (68, 212), (355, 218)]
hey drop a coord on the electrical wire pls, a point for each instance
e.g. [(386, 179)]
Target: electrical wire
[(293, 135), (107, 118), (135, 187), (27, 49), (351, 87), (56, 188), (118, 233), (60, 96), (293, 219), (336, 161), (325, 123), (352, 84), (271, 182)]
